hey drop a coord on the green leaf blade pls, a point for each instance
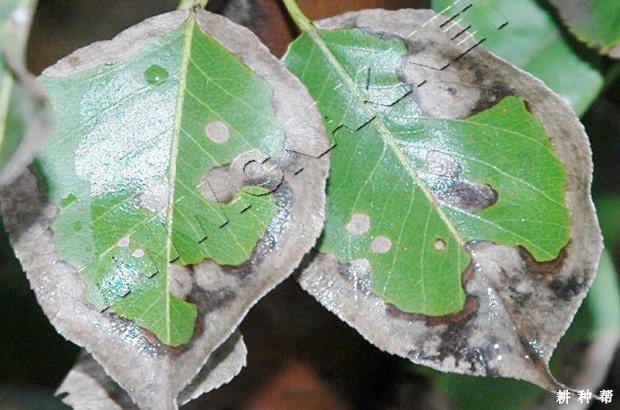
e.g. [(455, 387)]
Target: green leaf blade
[(595, 22), (463, 135), (486, 149)]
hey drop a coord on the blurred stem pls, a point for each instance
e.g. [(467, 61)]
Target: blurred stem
[(612, 74), (188, 4), (298, 16)]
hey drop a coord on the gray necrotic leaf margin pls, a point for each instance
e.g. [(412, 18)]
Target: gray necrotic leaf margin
[(87, 383), (521, 308), (155, 376)]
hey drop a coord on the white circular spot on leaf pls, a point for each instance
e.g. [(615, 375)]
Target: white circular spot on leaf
[(124, 242), (439, 245), (381, 244), (138, 253), (217, 131), (359, 224)]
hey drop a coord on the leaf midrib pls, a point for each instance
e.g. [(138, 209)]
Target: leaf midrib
[(6, 87), (176, 132), (383, 131)]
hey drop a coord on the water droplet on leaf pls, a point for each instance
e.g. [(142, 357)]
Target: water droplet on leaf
[(156, 75)]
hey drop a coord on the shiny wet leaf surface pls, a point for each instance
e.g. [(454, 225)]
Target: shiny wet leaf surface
[(180, 185)]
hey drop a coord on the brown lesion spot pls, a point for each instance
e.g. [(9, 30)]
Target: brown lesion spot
[(443, 177), (467, 196)]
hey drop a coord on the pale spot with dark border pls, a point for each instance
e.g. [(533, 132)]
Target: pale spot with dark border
[(439, 244), (381, 244)]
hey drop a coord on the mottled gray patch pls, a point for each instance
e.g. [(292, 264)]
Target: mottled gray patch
[(443, 177), (154, 198), (221, 184), (358, 272), (180, 281), (441, 164), (361, 266), (254, 169)]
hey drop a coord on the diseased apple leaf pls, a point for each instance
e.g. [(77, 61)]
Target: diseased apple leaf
[(407, 192), (137, 192), (24, 117), (460, 231), (181, 183), (526, 34), (595, 22)]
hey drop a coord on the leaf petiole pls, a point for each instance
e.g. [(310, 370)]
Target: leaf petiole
[(298, 16), (188, 4)]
